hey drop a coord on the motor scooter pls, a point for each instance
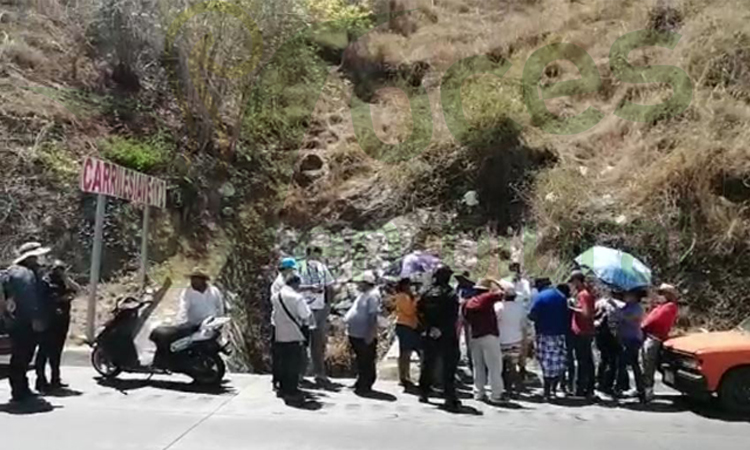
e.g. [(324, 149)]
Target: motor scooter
[(191, 350)]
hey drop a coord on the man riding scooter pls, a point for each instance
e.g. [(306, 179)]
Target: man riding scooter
[(198, 302)]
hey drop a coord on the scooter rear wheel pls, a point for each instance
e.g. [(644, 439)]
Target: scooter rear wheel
[(103, 364), (208, 369)]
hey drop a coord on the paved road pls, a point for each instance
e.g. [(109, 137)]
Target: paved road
[(165, 413)]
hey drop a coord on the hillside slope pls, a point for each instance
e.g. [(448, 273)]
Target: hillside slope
[(672, 190)]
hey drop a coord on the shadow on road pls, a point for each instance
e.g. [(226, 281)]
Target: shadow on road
[(712, 410), (63, 392), (308, 401), (36, 406), (507, 404), (328, 386), (462, 410), (568, 402), (132, 384), (377, 395)]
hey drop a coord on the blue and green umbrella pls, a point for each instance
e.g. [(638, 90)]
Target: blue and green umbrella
[(615, 268)]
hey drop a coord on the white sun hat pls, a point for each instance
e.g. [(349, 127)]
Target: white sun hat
[(30, 249)]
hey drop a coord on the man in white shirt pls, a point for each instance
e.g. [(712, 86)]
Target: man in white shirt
[(287, 267), (291, 316), (524, 297), (318, 283), (200, 300), (513, 324), (362, 329)]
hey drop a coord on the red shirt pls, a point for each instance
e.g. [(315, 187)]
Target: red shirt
[(583, 322), (659, 322), (480, 313)]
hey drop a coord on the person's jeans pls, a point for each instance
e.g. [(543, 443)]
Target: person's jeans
[(611, 369), (435, 350), (586, 372), (487, 357), (651, 353), (275, 360), (408, 343), (366, 356), (319, 342), (631, 353), (569, 377), (289, 366), (466, 329), (23, 341), (51, 347)]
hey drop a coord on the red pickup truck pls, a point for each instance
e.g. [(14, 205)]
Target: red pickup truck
[(708, 364)]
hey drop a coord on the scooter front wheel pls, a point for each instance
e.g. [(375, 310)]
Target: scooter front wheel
[(103, 364)]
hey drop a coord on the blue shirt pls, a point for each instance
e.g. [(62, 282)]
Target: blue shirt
[(630, 324), (550, 313), (29, 294)]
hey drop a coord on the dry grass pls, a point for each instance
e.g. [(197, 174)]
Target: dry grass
[(22, 54), (675, 191)]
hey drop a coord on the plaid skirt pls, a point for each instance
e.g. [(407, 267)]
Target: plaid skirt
[(552, 355)]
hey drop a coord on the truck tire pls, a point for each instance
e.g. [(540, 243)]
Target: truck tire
[(734, 392)]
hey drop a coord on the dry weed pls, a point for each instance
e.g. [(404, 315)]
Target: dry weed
[(22, 54)]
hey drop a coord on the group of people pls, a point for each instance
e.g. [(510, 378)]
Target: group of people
[(567, 322), (35, 300), (502, 322), (35, 308), (300, 298), (491, 317)]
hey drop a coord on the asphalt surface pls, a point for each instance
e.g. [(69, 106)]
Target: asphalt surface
[(168, 413)]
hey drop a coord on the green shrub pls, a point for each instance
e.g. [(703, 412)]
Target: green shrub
[(284, 95), (60, 162), (341, 13), (142, 155)]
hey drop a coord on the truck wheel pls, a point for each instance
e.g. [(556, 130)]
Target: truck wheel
[(734, 392)]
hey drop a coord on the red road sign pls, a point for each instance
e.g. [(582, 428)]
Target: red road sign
[(104, 177)]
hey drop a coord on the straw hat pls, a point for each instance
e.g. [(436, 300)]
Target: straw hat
[(28, 250), (199, 272), (487, 284), (669, 290)]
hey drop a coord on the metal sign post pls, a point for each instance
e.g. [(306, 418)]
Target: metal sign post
[(96, 259), (143, 274), (108, 179)]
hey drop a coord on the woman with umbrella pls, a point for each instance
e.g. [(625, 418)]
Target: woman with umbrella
[(631, 336)]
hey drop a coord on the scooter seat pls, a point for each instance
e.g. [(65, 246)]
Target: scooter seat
[(165, 335)]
